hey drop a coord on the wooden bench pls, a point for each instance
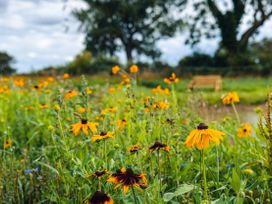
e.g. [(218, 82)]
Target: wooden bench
[(206, 81)]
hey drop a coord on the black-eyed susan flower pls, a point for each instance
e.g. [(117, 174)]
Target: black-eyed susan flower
[(102, 136), (163, 105), (100, 174), (160, 90), (50, 79), (29, 107), (84, 125), (231, 97), (171, 79), (111, 90), (122, 123), (8, 143), (125, 81), (81, 110), (158, 146), (134, 68), (202, 137), (244, 131), (44, 106), (19, 82), (134, 148), (66, 76), (128, 178), (36, 87), (115, 69), (99, 197), (70, 94), (108, 110)]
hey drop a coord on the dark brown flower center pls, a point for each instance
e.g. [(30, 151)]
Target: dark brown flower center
[(202, 126), (84, 121), (103, 133), (99, 197)]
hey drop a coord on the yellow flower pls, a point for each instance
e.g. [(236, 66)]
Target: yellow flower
[(171, 79), (29, 107), (5, 90), (160, 90), (99, 197), (158, 146), (134, 148), (43, 106), (66, 76), (111, 90), (125, 80), (57, 107), (89, 91), (70, 94), (244, 131), (50, 127), (248, 171), (231, 97), (161, 105), (134, 69), (102, 136), (122, 123), (202, 137), (84, 125), (19, 82), (108, 110), (81, 110), (115, 69), (50, 79), (128, 178), (8, 143)]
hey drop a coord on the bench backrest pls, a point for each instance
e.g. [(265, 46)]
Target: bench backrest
[(206, 79)]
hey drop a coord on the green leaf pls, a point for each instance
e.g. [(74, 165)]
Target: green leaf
[(184, 188), (236, 182), (49, 167), (168, 196)]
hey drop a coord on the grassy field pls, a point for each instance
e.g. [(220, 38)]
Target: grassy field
[(49, 155)]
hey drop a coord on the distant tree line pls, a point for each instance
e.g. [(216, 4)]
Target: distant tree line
[(6, 61)]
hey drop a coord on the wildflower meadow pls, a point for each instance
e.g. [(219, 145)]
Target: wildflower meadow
[(69, 140)]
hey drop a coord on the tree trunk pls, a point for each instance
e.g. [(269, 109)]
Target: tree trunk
[(129, 54)]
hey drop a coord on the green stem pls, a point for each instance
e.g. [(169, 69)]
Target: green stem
[(205, 194), (60, 125), (174, 97), (105, 156), (159, 172), (99, 184), (134, 195), (236, 113)]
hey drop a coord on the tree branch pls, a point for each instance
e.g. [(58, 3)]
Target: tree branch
[(250, 31), (214, 9)]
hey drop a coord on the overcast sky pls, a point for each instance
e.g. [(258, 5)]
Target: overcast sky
[(40, 33)]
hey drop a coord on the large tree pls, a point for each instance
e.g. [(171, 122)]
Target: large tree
[(5, 63), (236, 20), (133, 26)]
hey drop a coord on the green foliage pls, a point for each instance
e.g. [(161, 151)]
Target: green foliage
[(5, 64), (132, 26), (81, 64), (47, 163), (227, 20)]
